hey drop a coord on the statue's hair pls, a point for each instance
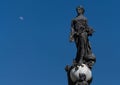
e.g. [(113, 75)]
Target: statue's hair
[(81, 7)]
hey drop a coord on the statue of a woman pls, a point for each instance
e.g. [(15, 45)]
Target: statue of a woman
[(79, 33)]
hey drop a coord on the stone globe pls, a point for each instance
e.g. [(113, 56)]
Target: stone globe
[(82, 69)]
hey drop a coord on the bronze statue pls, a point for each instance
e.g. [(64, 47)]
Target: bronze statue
[(80, 31), (79, 73)]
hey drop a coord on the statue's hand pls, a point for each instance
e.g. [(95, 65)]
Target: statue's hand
[(71, 39), (90, 31)]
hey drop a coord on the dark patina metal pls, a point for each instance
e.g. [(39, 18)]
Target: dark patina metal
[(80, 32)]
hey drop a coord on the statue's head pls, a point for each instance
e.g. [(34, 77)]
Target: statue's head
[(80, 10)]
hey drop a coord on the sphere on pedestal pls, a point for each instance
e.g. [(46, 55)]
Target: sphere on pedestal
[(74, 73)]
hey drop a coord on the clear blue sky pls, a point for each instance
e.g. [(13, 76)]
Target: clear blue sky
[(34, 40)]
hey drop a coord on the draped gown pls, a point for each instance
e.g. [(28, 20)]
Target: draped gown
[(80, 32)]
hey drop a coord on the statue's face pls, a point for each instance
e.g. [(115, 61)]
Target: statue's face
[(79, 11)]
